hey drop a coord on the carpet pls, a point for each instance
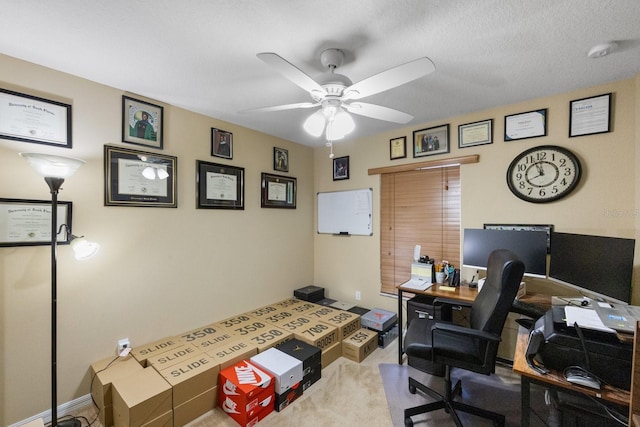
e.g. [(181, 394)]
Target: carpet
[(490, 392)]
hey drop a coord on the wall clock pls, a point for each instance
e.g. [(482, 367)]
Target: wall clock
[(543, 174)]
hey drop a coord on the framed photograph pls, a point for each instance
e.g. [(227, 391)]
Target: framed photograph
[(142, 123), (138, 178), (221, 143), (430, 141), (341, 168), (28, 222), (278, 191), (398, 148), (588, 116), (280, 159), (31, 119), (531, 124), (477, 133), (548, 228), (219, 186)]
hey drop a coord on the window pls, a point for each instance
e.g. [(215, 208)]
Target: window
[(418, 207)]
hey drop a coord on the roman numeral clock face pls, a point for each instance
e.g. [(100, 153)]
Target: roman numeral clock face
[(543, 174)]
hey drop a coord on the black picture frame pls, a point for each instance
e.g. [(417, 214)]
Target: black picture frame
[(341, 168), (476, 133), (221, 143), (280, 159), (126, 185), (278, 191), (30, 118), (548, 228), (219, 186), (431, 141), (530, 124), (25, 222), (590, 116), (398, 148), (142, 123)]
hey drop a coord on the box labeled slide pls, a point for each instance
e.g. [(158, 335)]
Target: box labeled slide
[(143, 352), (192, 377)]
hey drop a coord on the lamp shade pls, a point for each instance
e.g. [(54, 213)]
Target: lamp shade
[(50, 166), (314, 124), (341, 125), (83, 248)]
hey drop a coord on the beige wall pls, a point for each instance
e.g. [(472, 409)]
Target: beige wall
[(159, 271), (603, 204)]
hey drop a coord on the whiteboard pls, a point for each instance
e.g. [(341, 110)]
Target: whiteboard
[(346, 212)]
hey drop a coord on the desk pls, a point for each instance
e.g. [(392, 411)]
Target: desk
[(462, 293), (554, 379)]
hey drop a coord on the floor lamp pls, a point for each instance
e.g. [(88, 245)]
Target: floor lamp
[(55, 169)]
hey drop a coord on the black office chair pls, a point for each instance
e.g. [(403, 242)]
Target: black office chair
[(472, 348)]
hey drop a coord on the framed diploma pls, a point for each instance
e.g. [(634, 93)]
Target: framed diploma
[(477, 133), (531, 124), (278, 191), (28, 222), (138, 178), (31, 119), (142, 123), (219, 186), (398, 148), (589, 116)]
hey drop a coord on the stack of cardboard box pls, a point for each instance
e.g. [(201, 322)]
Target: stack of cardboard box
[(287, 371), (246, 393)]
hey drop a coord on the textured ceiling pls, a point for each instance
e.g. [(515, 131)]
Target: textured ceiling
[(201, 54)]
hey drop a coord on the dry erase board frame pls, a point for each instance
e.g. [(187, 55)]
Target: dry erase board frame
[(346, 212)]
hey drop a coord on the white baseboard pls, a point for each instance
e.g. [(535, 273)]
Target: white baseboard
[(72, 407)]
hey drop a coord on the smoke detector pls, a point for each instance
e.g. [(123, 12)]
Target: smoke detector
[(601, 50)]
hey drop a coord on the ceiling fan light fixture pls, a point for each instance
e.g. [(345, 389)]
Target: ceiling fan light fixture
[(343, 123), (314, 125)]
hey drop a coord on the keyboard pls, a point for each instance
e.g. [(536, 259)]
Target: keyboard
[(418, 285)]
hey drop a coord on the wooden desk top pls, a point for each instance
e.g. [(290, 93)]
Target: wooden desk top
[(556, 379), (461, 293)]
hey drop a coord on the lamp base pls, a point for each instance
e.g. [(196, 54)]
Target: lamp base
[(73, 422)]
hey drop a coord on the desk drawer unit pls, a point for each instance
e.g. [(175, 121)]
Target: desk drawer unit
[(420, 307)]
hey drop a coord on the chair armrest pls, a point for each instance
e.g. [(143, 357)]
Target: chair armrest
[(462, 330)]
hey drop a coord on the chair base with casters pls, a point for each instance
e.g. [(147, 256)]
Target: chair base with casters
[(447, 403)]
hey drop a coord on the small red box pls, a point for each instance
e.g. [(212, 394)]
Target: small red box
[(246, 393)]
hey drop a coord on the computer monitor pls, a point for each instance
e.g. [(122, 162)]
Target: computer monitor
[(530, 246), (598, 265)]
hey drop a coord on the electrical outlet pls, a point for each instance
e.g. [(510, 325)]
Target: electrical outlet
[(122, 344), (358, 296)]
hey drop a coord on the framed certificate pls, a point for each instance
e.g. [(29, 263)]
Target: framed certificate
[(398, 148), (31, 119), (219, 186), (138, 178), (278, 191), (477, 133), (531, 124), (589, 116), (28, 222)]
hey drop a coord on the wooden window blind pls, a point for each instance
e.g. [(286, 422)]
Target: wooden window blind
[(418, 207)]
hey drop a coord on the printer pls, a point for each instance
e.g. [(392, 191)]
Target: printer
[(555, 345)]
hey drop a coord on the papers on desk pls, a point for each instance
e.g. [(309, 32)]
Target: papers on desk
[(417, 284), (586, 318)]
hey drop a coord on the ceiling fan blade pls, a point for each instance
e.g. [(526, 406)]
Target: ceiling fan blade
[(282, 107), (378, 112), (390, 78), (291, 72)]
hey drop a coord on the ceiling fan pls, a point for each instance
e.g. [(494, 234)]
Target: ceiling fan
[(335, 93)]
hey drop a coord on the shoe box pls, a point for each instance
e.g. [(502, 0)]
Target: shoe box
[(246, 392)]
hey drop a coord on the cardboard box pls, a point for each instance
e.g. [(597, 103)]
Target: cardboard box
[(213, 340), (321, 311), (278, 317), (326, 301), (231, 352), (194, 335), (312, 377), (191, 377), (288, 303), (358, 310), (283, 400), (346, 322), (103, 373), (140, 398), (331, 354), (246, 392), (197, 406), (266, 338), (304, 307), (286, 370), (317, 333), (342, 305), (311, 357), (230, 324), (143, 352), (164, 420), (264, 311), (309, 293), (360, 344), (175, 355), (386, 337), (378, 319)]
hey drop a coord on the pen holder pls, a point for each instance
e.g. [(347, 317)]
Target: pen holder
[(440, 277)]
